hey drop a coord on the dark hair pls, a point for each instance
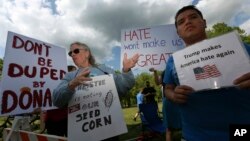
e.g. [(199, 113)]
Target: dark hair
[(192, 7), (91, 57)]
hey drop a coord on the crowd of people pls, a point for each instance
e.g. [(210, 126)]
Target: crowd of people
[(200, 115)]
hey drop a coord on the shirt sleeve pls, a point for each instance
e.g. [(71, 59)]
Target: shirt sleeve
[(168, 76), (62, 94), (123, 81), (247, 46)]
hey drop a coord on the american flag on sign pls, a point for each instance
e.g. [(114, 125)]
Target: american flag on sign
[(206, 72)]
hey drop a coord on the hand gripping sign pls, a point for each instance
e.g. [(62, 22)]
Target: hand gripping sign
[(212, 63), (95, 111)]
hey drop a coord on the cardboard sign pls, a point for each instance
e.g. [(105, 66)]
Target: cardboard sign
[(32, 69), (95, 112), (154, 44), (212, 63)]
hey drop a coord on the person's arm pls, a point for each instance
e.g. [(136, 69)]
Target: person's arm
[(63, 93), (156, 77), (174, 91), (124, 81), (243, 81)]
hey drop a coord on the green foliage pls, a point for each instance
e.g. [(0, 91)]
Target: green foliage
[(1, 63), (140, 82), (222, 28)]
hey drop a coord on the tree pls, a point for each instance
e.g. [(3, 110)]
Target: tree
[(1, 67), (222, 28), (130, 98), (1, 63)]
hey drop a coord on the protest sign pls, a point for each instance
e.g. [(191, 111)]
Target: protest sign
[(212, 63), (154, 45), (32, 69), (95, 112)]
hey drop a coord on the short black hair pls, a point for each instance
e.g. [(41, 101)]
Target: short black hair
[(192, 7)]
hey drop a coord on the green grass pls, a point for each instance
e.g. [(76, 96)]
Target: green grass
[(134, 127)]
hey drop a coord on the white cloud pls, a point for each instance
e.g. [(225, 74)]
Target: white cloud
[(222, 11), (246, 26), (99, 22)]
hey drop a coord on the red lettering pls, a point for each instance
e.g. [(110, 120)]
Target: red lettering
[(15, 42), (134, 35), (62, 73), (49, 63), (7, 95), (30, 46), (28, 100), (16, 70), (37, 98), (152, 59), (155, 60), (47, 98), (10, 100), (41, 61), (44, 71), (138, 34)]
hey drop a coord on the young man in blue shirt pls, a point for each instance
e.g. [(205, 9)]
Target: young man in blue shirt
[(206, 115)]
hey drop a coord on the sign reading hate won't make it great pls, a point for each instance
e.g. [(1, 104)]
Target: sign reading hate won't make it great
[(212, 63), (154, 45)]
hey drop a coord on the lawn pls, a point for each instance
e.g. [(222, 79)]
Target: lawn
[(134, 127)]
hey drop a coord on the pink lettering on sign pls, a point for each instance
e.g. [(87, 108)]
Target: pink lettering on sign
[(138, 34), (152, 59)]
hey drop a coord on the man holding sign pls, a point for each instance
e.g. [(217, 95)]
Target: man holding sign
[(206, 114), (84, 60)]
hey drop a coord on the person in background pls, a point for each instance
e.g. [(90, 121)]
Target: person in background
[(139, 100), (56, 121), (170, 111), (149, 93), (206, 115), (85, 61)]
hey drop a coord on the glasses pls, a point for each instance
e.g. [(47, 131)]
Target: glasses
[(75, 51)]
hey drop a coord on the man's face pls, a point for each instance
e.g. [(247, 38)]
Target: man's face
[(190, 26)]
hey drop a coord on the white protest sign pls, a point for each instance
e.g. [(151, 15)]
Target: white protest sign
[(95, 112), (154, 45), (212, 63), (32, 69)]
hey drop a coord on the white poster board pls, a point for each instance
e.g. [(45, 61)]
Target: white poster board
[(212, 63), (95, 112), (32, 69), (154, 45)]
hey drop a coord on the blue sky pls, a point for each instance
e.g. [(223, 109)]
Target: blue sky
[(99, 22)]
